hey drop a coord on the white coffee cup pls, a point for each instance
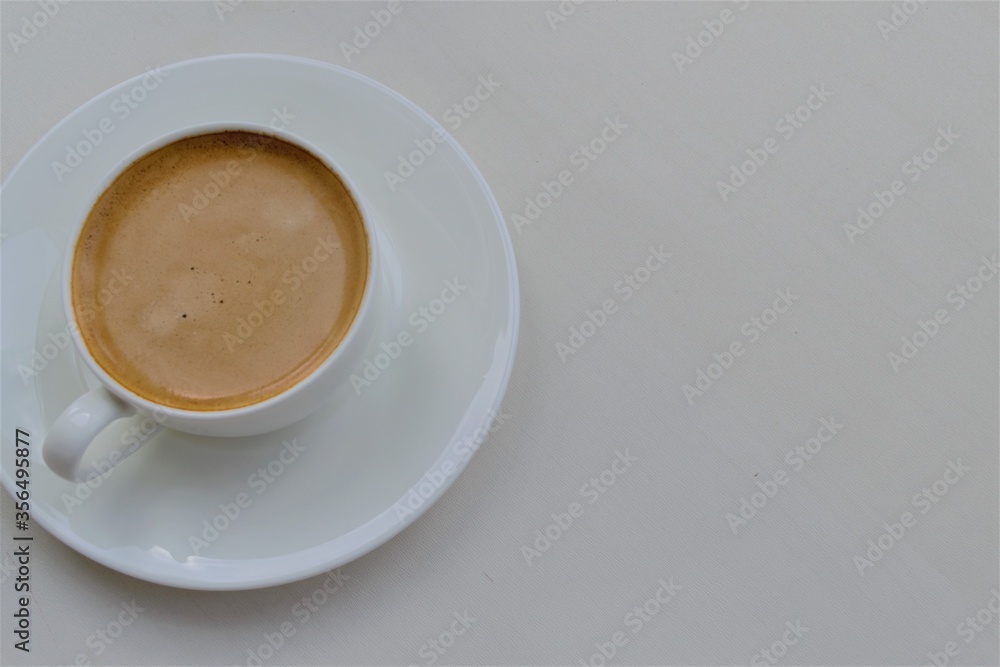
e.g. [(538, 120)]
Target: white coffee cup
[(76, 428)]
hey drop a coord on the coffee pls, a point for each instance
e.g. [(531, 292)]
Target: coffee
[(219, 271)]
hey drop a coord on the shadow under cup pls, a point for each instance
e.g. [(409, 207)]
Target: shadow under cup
[(220, 270)]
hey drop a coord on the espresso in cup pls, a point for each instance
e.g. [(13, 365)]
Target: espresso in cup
[(219, 271)]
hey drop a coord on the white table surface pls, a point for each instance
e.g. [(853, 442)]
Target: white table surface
[(854, 296)]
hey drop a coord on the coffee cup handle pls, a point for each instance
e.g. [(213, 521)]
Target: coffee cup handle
[(77, 427)]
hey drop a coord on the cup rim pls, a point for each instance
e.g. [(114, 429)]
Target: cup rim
[(362, 313)]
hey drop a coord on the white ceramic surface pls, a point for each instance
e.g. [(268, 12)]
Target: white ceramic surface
[(352, 475)]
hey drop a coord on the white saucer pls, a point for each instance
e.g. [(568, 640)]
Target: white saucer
[(371, 463)]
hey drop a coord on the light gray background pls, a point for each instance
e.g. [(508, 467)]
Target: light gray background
[(665, 517)]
